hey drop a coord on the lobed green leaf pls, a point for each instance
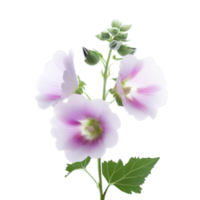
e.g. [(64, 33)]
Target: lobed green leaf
[(77, 165), (128, 178)]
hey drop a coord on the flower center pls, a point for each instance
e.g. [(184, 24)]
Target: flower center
[(128, 87), (91, 129), (127, 90)]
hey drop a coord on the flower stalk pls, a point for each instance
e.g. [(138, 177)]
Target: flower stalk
[(105, 76)]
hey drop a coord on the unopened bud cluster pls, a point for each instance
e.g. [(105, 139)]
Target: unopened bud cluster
[(116, 35)]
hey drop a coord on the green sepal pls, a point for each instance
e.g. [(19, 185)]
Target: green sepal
[(97, 37), (113, 31), (112, 91), (79, 91), (99, 53), (77, 165), (125, 27), (116, 97), (116, 23), (81, 83), (126, 41), (116, 58), (128, 34), (128, 178), (125, 50), (121, 36), (113, 79), (118, 100), (104, 35), (115, 45)]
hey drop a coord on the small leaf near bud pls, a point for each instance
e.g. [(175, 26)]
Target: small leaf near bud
[(81, 87)]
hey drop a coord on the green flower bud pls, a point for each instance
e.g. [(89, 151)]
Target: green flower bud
[(116, 23), (113, 31), (91, 57), (121, 36), (115, 45), (104, 35), (125, 27), (125, 50), (85, 52)]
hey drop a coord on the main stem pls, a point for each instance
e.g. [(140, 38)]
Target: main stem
[(104, 98)]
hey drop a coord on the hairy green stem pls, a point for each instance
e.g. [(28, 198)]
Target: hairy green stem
[(100, 179), (105, 76)]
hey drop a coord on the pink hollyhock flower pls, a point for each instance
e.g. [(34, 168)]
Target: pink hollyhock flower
[(141, 86), (84, 128), (58, 81)]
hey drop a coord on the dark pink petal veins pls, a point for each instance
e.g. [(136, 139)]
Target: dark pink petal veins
[(136, 104), (136, 69), (149, 89), (51, 97), (73, 122)]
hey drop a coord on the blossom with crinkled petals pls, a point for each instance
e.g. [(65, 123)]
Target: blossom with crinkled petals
[(58, 81), (84, 128), (141, 86)]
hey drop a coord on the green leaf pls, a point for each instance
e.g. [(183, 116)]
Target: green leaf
[(114, 79), (129, 177), (77, 165)]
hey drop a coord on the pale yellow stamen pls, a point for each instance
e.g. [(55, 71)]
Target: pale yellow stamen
[(90, 128), (127, 90)]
